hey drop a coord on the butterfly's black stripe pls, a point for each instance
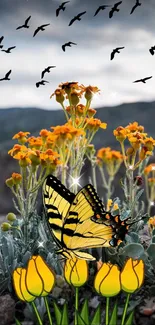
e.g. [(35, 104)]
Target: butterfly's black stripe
[(56, 185), (50, 206), (72, 221), (53, 215), (72, 213), (54, 226)]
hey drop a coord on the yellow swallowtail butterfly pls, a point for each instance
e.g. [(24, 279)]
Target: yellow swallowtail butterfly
[(79, 221)]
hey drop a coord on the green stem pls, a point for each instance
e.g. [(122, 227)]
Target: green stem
[(109, 187), (107, 311), (93, 163), (64, 109), (48, 310), (125, 308), (76, 305), (37, 313)]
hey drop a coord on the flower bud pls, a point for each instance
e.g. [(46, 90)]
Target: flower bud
[(5, 226), (9, 182), (76, 272), (11, 216), (132, 275), (107, 280)]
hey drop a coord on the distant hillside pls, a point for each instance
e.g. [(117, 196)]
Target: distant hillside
[(13, 120), (33, 120)]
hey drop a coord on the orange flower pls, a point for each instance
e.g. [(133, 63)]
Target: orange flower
[(74, 97), (66, 132), (151, 223), (59, 95), (49, 157), (91, 112), (151, 181), (120, 133), (23, 158), (94, 124), (35, 142), (149, 168), (144, 153), (44, 133), (17, 178), (21, 136), (135, 142), (149, 143), (107, 154), (90, 91), (16, 149), (34, 155), (69, 86), (132, 127)]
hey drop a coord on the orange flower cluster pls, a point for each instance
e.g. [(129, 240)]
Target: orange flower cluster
[(139, 141), (111, 158)]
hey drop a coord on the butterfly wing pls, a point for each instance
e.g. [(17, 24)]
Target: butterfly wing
[(80, 231), (57, 200)]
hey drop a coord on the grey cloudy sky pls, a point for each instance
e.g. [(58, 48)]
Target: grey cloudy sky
[(88, 62)]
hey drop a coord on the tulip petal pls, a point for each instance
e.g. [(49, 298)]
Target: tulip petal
[(76, 272), (129, 279), (27, 296), (16, 282), (139, 269), (47, 275), (111, 284), (101, 274), (34, 282)]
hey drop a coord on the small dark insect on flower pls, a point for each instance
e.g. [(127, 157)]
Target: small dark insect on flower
[(138, 180)]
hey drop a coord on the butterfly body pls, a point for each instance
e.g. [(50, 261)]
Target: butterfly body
[(78, 221)]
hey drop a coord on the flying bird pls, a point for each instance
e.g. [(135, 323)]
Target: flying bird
[(76, 18), (47, 70), (135, 6), (9, 49), (6, 76), (115, 51), (152, 49), (1, 39), (67, 44), (101, 8), (114, 8), (42, 82), (61, 7), (25, 25), (142, 80), (40, 28)]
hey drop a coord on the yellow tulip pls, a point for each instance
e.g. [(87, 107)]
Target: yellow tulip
[(76, 271), (19, 285), (132, 275), (107, 280), (40, 279)]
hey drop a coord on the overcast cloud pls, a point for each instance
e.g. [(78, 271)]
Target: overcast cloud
[(88, 62)]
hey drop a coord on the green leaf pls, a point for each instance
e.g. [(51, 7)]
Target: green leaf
[(17, 322), (64, 319), (133, 250), (130, 319), (57, 313), (97, 316), (113, 319), (151, 250), (153, 239), (84, 312), (80, 320)]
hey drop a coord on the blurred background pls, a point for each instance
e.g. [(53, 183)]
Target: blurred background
[(23, 107)]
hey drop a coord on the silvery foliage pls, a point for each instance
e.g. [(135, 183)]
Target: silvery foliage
[(15, 250)]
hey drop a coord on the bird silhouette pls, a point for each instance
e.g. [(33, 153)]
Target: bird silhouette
[(101, 8), (6, 76), (25, 25), (67, 44), (1, 39), (9, 49), (114, 8), (47, 70), (42, 82), (142, 80), (61, 7), (40, 28), (1, 46), (115, 51), (152, 49), (135, 6), (76, 18)]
